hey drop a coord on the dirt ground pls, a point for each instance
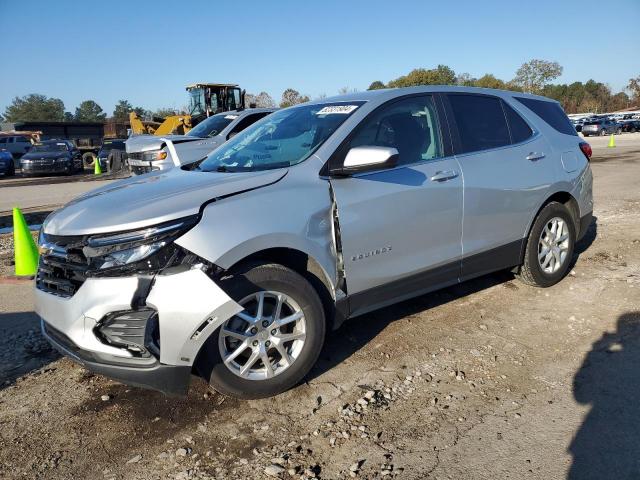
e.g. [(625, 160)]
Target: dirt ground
[(490, 379)]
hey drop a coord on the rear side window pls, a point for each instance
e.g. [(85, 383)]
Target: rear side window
[(550, 112), (520, 131), (481, 122)]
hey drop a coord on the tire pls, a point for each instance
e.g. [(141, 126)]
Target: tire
[(88, 159), (603, 132), (532, 272), (244, 284)]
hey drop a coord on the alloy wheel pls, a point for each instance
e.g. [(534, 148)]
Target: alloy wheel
[(553, 245), (265, 339)]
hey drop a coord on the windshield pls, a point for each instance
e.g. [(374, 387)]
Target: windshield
[(49, 147), (196, 101), (212, 126), (282, 139)]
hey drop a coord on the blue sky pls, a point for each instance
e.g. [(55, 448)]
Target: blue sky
[(147, 52)]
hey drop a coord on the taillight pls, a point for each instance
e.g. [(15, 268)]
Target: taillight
[(586, 149)]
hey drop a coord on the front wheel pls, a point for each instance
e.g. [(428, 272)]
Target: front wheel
[(549, 247), (272, 344)]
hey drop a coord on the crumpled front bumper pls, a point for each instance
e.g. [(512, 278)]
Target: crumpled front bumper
[(190, 306)]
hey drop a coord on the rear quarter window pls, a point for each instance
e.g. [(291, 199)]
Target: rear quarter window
[(551, 113), (520, 130)]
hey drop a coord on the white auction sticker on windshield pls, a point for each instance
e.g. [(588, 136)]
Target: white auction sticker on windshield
[(231, 117), (344, 109)]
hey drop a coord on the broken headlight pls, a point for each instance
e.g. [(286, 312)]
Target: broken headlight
[(147, 249)]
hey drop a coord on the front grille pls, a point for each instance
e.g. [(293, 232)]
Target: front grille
[(62, 267)]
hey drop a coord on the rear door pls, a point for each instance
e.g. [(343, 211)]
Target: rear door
[(507, 168), (400, 228)]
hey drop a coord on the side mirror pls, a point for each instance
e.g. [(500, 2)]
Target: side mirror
[(366, 159)]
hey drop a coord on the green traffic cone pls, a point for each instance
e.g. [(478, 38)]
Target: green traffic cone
[(98, 168), (25, 250), (612, 142)]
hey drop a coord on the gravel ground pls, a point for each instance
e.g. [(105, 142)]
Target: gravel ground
[(488, 379)]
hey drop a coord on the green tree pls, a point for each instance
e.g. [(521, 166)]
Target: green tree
[(35, 107), (489, 81), (68, 117), (89, 111), (165, 112), (535, 74), (122, 110), (441, 75), (292, 97), (376, 85)]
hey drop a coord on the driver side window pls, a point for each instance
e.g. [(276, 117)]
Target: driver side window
[(409, 125)]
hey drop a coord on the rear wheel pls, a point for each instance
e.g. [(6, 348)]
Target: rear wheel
[(549, 247), (603, 132), (273, 343)]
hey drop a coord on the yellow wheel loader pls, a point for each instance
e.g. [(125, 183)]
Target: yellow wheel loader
[(205, 99)]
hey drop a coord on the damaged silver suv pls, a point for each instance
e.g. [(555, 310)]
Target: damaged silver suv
[(236, 267)]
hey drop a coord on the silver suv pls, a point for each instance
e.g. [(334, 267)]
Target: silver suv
[(147, 153), (238, 266)]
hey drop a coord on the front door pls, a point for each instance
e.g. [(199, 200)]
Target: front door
[(400, 228)]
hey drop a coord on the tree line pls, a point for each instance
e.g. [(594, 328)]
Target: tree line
[(535, 76)]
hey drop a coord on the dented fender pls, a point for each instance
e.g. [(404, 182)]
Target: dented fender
[(191, 306)]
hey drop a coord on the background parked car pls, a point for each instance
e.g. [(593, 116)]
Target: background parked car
[(7, 167), (630, 126), (111, 145), (600, 127), (52, 156), (149, 152), (17, 145)]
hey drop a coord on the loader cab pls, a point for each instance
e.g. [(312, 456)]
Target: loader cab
[(206, 99)]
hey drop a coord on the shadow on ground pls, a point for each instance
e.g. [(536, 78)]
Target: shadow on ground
[(607, 445), (23, 349)]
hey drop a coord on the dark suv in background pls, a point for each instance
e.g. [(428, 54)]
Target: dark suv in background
[(108, 146)]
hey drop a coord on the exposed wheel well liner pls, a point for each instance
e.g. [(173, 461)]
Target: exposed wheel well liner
[(303, 264)]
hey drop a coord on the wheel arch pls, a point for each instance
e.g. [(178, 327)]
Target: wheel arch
[(562, 197), (301, 263)]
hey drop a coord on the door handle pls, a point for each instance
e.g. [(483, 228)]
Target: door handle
[(442, 176), (533, 156)]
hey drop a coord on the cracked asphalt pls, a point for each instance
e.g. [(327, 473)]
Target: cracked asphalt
[(490, 379)]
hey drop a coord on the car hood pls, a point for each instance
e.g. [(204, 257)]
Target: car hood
[(150, 199), (43, 155), (144, 143)]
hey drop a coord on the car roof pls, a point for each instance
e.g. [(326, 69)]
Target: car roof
[(389, 93)]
